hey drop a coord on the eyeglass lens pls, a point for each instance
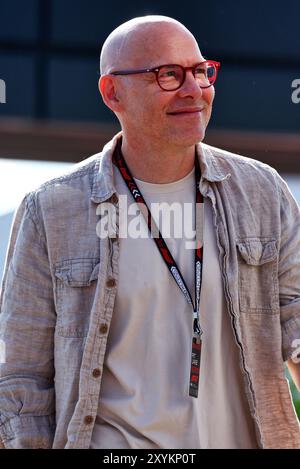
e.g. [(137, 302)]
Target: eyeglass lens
[(171, 77)]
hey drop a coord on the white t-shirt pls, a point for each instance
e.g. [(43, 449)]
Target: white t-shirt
[(144, 397)]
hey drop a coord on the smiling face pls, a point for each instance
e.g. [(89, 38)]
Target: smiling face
[(142, 107)]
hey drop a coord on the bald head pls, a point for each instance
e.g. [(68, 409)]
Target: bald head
[(135, 42)]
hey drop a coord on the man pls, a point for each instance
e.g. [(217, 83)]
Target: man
[(107, 342)]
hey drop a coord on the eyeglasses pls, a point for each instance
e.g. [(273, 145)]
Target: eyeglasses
[(170, 77)]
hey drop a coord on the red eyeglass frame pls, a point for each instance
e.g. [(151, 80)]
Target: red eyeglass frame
[(156, 70)]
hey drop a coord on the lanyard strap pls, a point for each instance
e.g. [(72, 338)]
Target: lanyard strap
[(120, 162)]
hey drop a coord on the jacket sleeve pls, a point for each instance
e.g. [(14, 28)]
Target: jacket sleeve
[(289, 270), (27, 323)]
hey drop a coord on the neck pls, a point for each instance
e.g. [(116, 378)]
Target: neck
[(153, 163)]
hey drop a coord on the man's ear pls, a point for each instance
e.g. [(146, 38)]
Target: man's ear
[(107, 88)]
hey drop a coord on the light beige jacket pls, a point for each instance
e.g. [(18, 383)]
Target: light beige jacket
[(60, 284)]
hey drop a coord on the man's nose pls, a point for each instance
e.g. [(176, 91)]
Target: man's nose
[(190, 85)]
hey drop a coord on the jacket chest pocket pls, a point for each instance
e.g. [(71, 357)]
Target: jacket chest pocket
[(76, 281), (258, 279)]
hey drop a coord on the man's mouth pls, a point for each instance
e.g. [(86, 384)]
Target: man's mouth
[(186, 111)]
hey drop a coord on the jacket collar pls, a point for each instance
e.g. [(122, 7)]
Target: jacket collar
[(211, 168), (103, 183)]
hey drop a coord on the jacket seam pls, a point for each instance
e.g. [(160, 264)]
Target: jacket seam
[(31, 209)]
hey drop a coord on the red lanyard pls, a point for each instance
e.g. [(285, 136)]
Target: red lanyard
[(120, 162)]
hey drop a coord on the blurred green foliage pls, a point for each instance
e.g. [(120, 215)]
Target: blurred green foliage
[(295, 393)]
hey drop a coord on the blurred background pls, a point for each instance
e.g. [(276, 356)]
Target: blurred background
[(51, 113)]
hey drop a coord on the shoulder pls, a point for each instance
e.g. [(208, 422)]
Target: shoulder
[(253, 177), (228, 158), (75, 175), (247, 170), (65, 192)]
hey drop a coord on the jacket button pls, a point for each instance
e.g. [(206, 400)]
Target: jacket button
[(114, 199), (103, 328), (111, 283), (96, 373), (88, 420)]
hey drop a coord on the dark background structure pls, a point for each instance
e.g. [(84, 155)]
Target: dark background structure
[(49, 59)]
